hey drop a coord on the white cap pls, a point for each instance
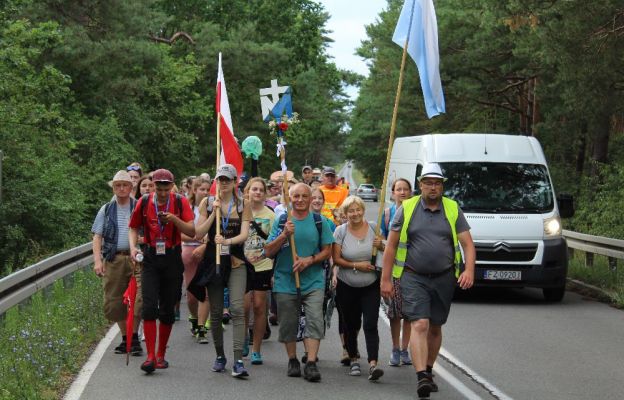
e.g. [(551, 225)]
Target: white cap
[(432, 170)]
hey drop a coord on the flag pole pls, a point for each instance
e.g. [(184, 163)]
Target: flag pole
[(218, 216), (391, 138)]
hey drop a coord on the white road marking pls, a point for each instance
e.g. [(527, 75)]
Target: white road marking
[(454, 382), (81, 381)]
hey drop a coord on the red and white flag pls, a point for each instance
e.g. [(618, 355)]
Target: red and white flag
[(230, 152)]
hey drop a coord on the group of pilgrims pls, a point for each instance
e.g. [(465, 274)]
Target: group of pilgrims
[(236, 266)]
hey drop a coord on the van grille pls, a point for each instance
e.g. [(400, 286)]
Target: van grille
[(503, 251)]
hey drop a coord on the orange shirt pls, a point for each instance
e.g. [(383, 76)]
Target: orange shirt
[(333, 199)]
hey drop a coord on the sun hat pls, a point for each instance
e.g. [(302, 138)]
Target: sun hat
[(120, 176), (432, 170)]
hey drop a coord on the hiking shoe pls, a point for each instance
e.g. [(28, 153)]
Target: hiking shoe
[(434, 386), (148, 366), (395, 358), (345, 360), (374, 373), (256, 358), (161, 363), (273, 319), (239, 370), (267, 333), (194, 326), (311, 372), (226, 318), (201, 335), (294, 368), (219, 364), (121, 349), (405, 358), (136, 349), (355, 369), (424, 387)]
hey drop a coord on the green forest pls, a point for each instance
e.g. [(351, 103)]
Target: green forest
[(89, 86)]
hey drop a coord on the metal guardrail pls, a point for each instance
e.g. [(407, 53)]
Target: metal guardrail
[(611, 248), (22, 284)]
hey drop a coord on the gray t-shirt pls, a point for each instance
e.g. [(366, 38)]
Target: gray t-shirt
[(429, 238), (355, 250), (123, 218)]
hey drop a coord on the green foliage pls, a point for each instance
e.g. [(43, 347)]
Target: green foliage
[(600, 274), (41, 343), (542, 68), (90, 86)]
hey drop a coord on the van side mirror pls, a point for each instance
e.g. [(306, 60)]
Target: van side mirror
[(566, 205)]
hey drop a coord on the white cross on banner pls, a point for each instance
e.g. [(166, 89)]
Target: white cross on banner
[(267, 103)]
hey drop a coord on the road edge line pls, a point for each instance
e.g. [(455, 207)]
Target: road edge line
[(443, 373), (80, 383), (493, 390)]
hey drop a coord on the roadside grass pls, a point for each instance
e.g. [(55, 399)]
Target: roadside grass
[(601, 275), (45, 341)]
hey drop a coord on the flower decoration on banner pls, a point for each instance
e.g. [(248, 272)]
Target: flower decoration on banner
[(284, 124)]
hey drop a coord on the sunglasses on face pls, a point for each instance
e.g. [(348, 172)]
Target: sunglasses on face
[(223, 179), (133, 168)]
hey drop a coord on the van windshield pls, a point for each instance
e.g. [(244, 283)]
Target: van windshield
[(499, 187)]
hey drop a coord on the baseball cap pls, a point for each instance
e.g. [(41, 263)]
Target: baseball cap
[(226, 170), (432, 170), (120, 176), (306, 167), (162, 175), (329, 170)]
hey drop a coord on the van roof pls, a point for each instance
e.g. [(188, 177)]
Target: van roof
[(484, 147)]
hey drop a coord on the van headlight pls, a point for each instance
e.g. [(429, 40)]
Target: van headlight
[(552, 226)]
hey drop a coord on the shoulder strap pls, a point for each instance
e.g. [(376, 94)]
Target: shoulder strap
[(144, 201), (178, 204), (318, 221), (259, 230)]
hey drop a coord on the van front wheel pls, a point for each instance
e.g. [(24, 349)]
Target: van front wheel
[(554, 294)]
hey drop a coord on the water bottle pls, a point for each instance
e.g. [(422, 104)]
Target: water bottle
[(139, 257)]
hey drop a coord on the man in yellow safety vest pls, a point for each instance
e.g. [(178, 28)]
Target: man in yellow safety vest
[(423, 251)]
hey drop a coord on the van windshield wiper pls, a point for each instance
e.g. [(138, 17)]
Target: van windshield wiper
[(480, 210)]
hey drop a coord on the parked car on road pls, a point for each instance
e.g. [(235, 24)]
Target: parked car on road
[(367, 191)]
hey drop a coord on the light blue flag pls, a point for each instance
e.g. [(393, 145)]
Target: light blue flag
[(418, 20)]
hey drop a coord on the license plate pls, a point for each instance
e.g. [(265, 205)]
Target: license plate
[(502, 275)]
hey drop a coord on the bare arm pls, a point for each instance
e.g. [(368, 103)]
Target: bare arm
[(342, 262), (388, 262), (466, 279), (98, 266), (205, 221), (271, 249)]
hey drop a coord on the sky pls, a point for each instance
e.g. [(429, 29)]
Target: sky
[(347, 23)]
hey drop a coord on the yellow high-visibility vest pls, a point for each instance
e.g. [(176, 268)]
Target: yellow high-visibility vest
[(451, 211)]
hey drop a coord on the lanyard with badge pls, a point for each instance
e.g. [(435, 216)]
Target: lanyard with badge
[(161, 248), (225, 248)]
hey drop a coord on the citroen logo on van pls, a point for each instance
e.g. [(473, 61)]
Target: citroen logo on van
[(504, 246)]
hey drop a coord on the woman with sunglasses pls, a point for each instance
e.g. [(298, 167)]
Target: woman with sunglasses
[(235, 218), (135, 172)]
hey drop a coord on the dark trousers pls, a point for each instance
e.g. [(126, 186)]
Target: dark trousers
[(161, 284), (357, 303)]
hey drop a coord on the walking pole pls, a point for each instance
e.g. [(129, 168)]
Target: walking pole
[(391, 140), (218, 216)]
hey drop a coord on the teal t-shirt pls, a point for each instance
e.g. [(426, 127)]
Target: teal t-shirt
[(307, 243)]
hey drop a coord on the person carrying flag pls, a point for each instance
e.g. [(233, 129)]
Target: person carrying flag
[(163, 215)]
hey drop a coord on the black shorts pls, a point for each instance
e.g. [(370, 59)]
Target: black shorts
[(260, 280), (427, 297)]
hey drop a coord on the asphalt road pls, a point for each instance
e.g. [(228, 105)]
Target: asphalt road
[(498, 344)]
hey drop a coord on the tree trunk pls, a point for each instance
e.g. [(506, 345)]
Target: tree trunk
[(601, 128), (580, 157)]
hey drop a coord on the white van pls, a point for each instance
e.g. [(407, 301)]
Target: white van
[(503, 185)]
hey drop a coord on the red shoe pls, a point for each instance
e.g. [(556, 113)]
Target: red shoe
[(161, 363), (148, 366)]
